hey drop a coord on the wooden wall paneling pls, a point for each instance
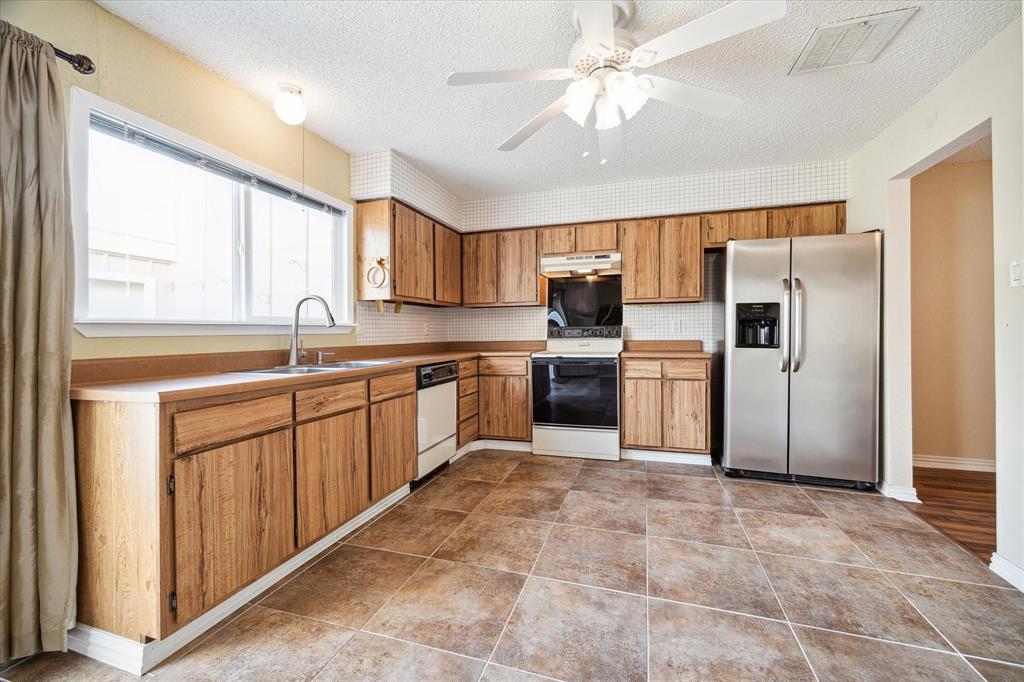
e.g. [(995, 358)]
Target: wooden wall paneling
[(373, 242), (211, 425), (392, 445), (641, 413), (682, 259), (517, 267), (505, 407), (597, 237), (715, 228), (748, 224), (641, 260), (685, 405), (412, 271), (447, 265), (557, 240), (479, 268)]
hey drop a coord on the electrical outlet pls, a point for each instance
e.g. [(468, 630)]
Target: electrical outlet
[(1016, 273)]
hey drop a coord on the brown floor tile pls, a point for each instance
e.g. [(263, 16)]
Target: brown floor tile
[(979, 621), (924, 553), (620, 464), (413, 530), (524, 501), (677, 469), (853, 510), (601, 558), (847, 598), (503, 455), (448, 492), (814, 537), (546, 475), (599, 510), (555, 460), (708, 523), (498, 673), (691, 643), (777, 498), (685, 489), (261, 644), (346, 587), (370, 658), (481, 469), (709, 575), (611, 482), (500, 542), (451, 606), (573, 632), (846, 657), (998, 672), (56, 665)]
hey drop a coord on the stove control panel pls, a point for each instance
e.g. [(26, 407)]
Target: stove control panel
[(606, 332)]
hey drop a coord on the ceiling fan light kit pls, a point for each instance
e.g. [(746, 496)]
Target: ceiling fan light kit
[(602, 61)]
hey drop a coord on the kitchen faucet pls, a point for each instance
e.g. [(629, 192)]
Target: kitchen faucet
[(295, 352)]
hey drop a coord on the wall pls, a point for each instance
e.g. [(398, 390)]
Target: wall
[(985, 90), (137, 71), (953, 329)]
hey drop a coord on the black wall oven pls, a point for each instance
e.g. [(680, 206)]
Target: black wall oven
[(576, 392)]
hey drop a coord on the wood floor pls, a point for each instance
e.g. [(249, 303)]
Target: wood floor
[(962, 504)]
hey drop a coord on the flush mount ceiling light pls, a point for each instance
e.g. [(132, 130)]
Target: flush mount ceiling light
[(288, 104), (602, 62)]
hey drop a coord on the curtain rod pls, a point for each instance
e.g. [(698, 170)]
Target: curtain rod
[(79, 62)]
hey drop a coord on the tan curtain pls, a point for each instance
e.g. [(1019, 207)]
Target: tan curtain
[(38, 523)]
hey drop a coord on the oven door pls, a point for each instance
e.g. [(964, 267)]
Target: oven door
[(576, 392)]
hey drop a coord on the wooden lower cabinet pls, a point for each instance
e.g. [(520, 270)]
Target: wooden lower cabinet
[(504, 407), (641, 413), (332, 473), (392, 445), (665, 404), (684, 412), (233, 518)]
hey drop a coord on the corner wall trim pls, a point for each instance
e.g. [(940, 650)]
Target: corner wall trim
[(901, 493), (958, 463), (1007, 570), (138, 659)]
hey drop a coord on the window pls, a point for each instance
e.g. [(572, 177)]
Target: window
[(176, 233)]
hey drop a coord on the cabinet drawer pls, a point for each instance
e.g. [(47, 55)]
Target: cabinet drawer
[(318, 402), (199, 428), (468, 406), (467, 385), (468, 430), (468, 368), (684, 369), (507, 366), (392, 385), (642, 369)]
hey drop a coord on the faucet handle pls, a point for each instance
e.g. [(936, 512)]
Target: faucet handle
[(320, 355)]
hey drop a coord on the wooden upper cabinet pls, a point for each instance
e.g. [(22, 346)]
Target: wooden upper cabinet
[(479, 268), (413, 267), (719, 228), (682, 259), (447, 265), (557, 240), (517, 267), (641, 276), (597, 237), (715, 227), (804, 221), (392, 445)]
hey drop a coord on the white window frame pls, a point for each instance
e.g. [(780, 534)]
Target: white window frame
[(82, 103)]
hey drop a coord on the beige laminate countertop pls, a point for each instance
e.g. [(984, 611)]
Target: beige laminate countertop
[(189, 387)]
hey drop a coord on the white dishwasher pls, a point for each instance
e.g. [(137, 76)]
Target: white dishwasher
[(437, 401)]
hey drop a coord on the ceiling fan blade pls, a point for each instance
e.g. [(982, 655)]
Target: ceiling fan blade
[(691, 97), (609, 144), (483, 77), (723, 23), (596, 22), (535, 124)]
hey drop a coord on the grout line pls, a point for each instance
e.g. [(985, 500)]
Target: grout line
[(647, 589), (184, 651)]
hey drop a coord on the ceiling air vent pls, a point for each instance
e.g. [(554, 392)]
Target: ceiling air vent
[(855, 41)]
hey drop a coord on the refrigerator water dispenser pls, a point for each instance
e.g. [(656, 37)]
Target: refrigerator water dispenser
[(757, 325)]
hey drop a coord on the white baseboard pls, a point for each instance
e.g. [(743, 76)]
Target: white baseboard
[(485, 444), (1008, 571), (901, 493), (659, 456), (959, 463), (138, 659)]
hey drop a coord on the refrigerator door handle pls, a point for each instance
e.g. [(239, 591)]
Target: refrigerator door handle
[(784, 323), (798, 324)]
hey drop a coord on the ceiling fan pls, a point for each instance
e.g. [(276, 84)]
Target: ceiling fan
[(603, 61)]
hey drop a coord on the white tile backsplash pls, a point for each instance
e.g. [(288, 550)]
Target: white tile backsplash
[(414, 324), (497, 324)]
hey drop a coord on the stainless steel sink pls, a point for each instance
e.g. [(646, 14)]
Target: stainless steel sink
[(356, 364), (301, 369)]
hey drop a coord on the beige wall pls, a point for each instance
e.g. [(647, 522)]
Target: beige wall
[(137, 71), (952, 316)]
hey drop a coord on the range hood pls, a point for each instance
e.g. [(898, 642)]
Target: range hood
[(587, 264)]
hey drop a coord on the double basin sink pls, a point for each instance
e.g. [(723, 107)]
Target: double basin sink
[(286, 370)]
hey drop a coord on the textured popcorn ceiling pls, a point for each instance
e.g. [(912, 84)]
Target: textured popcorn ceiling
[(374, 72)]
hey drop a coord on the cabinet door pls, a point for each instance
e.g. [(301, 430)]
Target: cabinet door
[(641, 413), (682, 259), (233, 518), (597, 237), (504, 407), (640, 259), (748, 225), (479, 268), (715, 227), (517, 266), (447, 265), (392, 444), (804, 221), (841, 218), (332, 473), (413, 266), (684, 418), (557, 240)]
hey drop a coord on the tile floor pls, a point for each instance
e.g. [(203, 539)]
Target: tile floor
[(512, 566)]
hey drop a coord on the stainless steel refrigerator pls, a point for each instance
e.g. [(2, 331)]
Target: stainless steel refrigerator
[(802, 348)]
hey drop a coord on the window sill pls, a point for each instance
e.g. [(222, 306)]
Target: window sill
[(120, 328)]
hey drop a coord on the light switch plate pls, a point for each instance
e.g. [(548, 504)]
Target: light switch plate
[(1016, 273)]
